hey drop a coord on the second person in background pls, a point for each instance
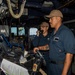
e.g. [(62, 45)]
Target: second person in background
[(41, 41)]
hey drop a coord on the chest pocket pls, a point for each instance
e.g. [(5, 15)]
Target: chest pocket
[(56, 39), (58, 44)]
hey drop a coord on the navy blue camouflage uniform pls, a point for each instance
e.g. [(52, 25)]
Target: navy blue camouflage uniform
[(62, 42)]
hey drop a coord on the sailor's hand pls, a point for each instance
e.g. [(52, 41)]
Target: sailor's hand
[(35, 49), (37, 33)]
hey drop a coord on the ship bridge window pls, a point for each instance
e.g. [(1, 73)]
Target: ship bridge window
[(21, 31), (32, 31), (14, 31)]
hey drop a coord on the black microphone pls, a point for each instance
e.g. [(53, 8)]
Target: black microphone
[(40, 31)]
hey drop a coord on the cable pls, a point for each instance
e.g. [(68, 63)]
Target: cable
[(66, 4), (21, 10)]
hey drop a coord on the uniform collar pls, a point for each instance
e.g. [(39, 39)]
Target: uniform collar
[(59, 29)]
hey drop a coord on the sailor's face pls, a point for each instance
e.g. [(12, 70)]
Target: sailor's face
[(44, 28), (53, 22)]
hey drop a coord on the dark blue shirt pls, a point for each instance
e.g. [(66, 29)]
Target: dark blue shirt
[(61, 43), (41, 40)]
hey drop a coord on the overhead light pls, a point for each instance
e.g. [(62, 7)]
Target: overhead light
[(47, 4)]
